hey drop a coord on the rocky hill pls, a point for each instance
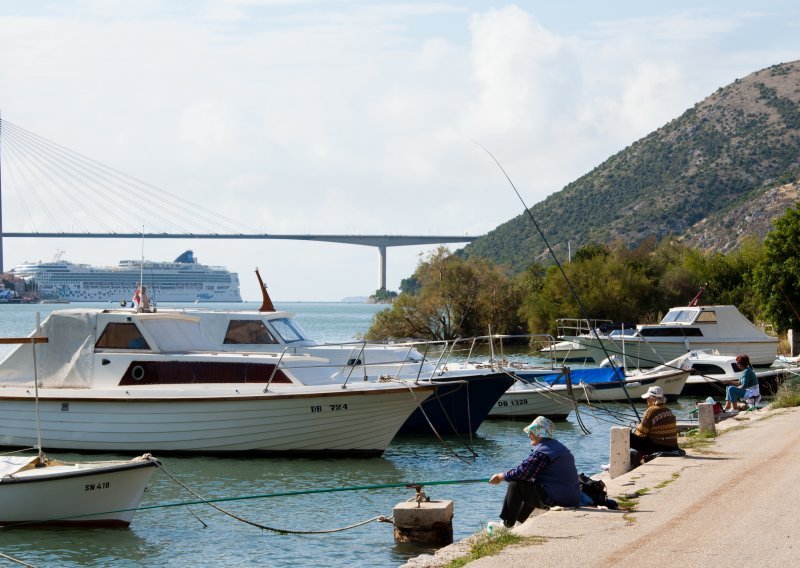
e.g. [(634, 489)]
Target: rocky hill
[(722, 171)]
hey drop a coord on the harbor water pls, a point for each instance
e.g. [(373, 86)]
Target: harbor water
[(198, 535)]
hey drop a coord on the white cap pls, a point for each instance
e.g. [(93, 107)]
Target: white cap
[(655, 392)]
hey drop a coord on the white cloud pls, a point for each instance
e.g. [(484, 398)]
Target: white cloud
[(355, 117)]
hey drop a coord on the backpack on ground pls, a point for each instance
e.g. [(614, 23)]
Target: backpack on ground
[(595, 489)]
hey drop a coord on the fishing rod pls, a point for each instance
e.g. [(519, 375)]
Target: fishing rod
[(564, 274)]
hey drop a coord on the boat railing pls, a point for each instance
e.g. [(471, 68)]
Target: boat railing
[(501, 348), (566, 327), (426, 359)]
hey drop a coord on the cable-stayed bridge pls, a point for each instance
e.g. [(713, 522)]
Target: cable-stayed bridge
[(55, 186)]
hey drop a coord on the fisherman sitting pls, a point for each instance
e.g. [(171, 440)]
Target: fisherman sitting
[(547, 477), (658, 431)]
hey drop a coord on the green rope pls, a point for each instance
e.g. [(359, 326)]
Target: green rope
[(307, 492), (260, 496)]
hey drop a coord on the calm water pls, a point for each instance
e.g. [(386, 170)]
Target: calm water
[(174, 536)]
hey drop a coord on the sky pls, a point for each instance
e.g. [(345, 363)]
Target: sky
[(357, 117)]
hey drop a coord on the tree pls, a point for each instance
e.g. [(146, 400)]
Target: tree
[(777, 276), (609, 284), (454, 298)]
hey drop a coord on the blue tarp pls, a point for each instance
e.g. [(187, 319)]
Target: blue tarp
[(588, 376)]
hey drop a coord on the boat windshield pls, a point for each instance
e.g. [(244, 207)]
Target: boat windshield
[(679, 316), (289, 330), (248, 332), (622, 333)]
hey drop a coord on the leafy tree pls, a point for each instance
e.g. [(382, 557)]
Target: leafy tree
[(777, 276), (384, 296), (455, 298), (409, 285), (608, 286)]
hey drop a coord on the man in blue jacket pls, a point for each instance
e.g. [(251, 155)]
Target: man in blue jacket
[(546, 478)]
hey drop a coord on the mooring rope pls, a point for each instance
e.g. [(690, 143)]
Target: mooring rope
[(211, 502), (467, 461), (205, 501), (16, 560)]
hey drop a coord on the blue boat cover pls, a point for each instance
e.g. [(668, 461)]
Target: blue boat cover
[(587, 376)]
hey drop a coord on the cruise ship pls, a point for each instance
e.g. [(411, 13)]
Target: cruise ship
[(184, 280)]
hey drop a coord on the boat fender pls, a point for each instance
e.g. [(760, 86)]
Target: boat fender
[(137, 373)]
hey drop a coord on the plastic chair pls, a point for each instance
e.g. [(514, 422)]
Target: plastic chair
[(752, 396)]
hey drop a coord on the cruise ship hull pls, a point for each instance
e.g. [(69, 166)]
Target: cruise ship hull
[(183, 280)]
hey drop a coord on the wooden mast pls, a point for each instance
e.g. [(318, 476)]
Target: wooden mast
[(266, 302)]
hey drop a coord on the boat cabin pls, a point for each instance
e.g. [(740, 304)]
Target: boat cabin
[(702, 321)]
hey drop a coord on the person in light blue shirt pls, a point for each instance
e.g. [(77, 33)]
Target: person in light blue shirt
[(546, 478), (746, 382)]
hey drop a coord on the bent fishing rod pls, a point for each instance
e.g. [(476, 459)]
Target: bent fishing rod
[(564, 274)]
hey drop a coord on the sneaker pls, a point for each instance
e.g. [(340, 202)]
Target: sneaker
[(493, 527)]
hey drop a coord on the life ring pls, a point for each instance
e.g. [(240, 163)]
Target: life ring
[(137, 373)]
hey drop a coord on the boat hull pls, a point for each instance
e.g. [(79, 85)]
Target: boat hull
[(81, 494), (655, 351), (672, 382), (528, 400), (332, 421), (459, 405)]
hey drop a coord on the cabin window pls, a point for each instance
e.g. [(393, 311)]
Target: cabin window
[(661, 332), (248, 332), (707, 317), (121, 336), (670, 332), (679, 316), (707, 369), (289, 330)]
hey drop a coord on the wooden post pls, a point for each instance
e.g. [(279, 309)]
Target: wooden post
[(620, 451), (705, 419), (794, 344)]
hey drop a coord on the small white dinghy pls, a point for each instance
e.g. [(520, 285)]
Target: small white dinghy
[(36, 490)]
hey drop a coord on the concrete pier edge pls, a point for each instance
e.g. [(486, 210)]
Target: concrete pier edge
[(716, 481)]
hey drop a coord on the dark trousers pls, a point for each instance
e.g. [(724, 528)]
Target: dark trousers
[(644, 446), (522, 497)]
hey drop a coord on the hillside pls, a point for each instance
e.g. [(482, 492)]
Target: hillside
[(722, 171)]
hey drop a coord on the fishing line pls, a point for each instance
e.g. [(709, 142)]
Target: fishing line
[(558, 264)]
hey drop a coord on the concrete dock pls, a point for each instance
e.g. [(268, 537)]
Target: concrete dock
[(733, 501)]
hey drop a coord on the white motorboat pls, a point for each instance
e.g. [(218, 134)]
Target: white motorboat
[(40, 490), (573, 351), (712, 328), (464, 396), (117, 380), (567, 351), (711, 373), (592, 385), (36, 491), (546, 392)]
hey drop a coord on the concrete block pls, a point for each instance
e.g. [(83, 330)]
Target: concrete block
[(705, 418), (429, 522), (620, 452)]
